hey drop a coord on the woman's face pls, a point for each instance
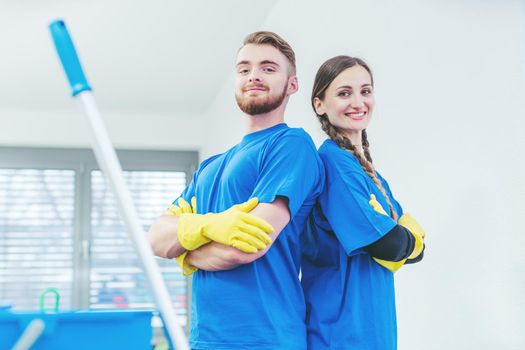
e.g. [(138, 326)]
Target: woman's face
[(349, 101)]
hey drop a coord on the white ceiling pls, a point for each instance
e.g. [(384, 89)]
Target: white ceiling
[(145, 57)]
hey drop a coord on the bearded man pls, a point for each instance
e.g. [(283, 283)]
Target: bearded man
[(243, 241)]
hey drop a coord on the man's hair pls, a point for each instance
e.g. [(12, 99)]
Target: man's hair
[(270, 38)]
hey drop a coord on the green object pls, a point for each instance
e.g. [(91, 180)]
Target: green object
[(43, 295), (162, 346)]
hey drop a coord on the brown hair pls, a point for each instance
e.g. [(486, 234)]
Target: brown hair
[(270, 38), (324, 77)]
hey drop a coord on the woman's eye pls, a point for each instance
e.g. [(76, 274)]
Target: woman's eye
[(366, 91), (343, 93)]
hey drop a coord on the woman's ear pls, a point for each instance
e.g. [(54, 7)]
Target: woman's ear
[(319, 106)]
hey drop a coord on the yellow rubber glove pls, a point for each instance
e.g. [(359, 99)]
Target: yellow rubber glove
[(186, 268), (390, 265), (234, 227), (376, 205), (407, 221), (183, 208)]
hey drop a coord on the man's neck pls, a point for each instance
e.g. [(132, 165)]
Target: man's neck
[(264, 121)]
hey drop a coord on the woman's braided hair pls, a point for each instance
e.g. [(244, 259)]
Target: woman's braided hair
[(324, 77)]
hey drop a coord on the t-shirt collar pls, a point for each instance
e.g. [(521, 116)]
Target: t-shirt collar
[(263, 133)]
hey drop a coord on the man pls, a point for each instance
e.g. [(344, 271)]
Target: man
[(246, 291)]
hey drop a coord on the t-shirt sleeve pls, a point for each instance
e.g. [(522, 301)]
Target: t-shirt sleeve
[(189, 191), (397, 207), (291, 168), (354, 221)]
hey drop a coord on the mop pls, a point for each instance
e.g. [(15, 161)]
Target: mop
[(109, 163)]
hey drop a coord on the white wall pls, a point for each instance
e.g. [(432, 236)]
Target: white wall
[(69, 128), (450, 95)]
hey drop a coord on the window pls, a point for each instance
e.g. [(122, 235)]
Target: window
[(60, 227), (36, 234)]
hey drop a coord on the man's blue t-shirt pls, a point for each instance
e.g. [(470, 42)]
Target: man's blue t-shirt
[(258, 305), (350, 298)]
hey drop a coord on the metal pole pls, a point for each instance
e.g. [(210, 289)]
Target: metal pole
[(109, 163)]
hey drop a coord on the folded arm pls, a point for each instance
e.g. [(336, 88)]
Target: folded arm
[(401, 245), (217, 257), (181, 229), (396, 245), (163, 239)]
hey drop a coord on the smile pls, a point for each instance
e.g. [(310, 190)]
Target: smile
[(357, 116), (255, 88)]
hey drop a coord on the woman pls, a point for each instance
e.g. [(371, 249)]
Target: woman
[(353, 245)]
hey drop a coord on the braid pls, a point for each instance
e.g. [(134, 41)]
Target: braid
[(366, 162), (326, 74), (366, 146), (332, 132)]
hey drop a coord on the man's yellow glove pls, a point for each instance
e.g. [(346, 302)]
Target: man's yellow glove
[(407, 221), (234, 227), (186, 268), (183, 207)]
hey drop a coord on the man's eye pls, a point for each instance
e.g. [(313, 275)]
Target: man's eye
[(269, 69)]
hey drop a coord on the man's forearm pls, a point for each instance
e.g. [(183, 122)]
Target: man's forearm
[(163, 238), (218, 257)]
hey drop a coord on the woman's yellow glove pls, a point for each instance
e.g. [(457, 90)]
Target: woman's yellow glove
[(376, 205), (407, 221), (234, 227), (390, 265)]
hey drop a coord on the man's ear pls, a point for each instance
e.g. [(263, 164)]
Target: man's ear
[(293, 85)]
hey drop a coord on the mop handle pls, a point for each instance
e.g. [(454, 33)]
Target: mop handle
[(68, 57), (30, 335), (108, 161)]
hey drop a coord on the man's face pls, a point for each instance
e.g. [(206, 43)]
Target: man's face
[(262, 79)]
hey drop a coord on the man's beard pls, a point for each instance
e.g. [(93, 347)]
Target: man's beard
[(254, 106)]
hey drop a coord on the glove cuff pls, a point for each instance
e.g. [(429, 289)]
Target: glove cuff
[(410, 223), (189, 231), (418, 246), (390, 265), (187, 269), (407, 221)]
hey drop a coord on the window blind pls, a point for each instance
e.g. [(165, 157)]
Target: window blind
[(36, 235), (116, 276)]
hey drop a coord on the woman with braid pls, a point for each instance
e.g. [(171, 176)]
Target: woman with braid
[(358, 234)]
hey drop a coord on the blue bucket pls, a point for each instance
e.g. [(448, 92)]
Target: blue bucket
[(80, 330)]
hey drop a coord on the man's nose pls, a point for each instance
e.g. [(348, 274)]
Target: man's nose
[(254, 76)]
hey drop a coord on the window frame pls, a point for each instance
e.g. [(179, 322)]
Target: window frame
[(82, 161)]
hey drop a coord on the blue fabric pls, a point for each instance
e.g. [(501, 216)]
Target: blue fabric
[(258, 305), (350, 298)]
